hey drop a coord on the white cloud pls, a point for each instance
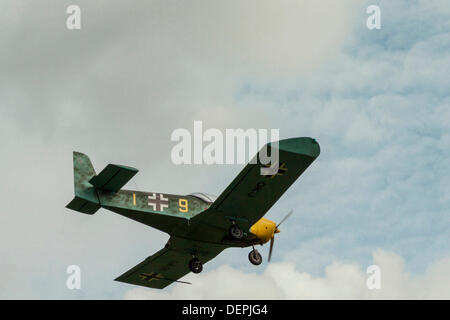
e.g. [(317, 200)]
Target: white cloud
[(282, 281)]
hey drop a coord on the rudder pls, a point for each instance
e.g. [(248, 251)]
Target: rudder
[(86, 199)]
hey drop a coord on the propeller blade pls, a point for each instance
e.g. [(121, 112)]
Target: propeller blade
[(284, 219), (271, 247)]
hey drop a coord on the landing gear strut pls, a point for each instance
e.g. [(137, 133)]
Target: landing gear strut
[(195, 265), (235, 232), (255, 257)]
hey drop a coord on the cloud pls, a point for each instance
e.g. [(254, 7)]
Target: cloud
[(377, 101), (379, 112), (115, 90), (283, 281)]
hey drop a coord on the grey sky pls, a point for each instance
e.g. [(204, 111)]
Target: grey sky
[(377, 102)]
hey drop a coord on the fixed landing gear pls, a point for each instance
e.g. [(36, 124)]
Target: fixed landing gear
[(195, 265), (255, 257), (235, 232)]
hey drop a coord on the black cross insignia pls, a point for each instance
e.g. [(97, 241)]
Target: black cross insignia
[(158, 202), (150, 276), (281, 170)]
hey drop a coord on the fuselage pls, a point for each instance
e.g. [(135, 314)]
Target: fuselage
[(174, 214)]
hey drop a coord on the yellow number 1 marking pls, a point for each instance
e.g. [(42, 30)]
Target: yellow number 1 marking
[(183, 205), (134, 199)]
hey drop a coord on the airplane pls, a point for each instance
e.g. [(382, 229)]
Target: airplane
[(200, 225)]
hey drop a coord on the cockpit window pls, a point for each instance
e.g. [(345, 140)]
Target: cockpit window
[(204, 196)]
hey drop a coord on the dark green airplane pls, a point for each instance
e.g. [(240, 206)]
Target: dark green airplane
[(200, 225)]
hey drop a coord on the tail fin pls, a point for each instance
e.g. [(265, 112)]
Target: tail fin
[(86, 199), (87, 184)]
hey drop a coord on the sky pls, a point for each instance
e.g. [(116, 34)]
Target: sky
[(377, 101)]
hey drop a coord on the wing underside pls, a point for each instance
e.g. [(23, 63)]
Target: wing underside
[(251, 194), (170, 263)]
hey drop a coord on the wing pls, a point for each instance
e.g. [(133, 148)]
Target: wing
[(170, 263), (251, 194)]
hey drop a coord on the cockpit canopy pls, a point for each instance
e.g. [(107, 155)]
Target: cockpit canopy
[(209, 198)]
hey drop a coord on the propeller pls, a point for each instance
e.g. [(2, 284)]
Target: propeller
[(276, 231), (284, 219)]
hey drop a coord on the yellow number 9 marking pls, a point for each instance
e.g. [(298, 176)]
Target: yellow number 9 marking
[(183, 205)]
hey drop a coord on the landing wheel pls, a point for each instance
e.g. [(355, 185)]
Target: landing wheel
[(195, 265), (235, 232), (255, 257)]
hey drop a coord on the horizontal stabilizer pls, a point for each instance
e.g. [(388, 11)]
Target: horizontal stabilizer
[(113, 177), (84, 206)]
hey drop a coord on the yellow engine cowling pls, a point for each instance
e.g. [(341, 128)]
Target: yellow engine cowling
[(264, 229)]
